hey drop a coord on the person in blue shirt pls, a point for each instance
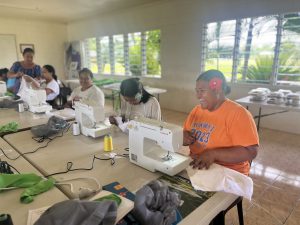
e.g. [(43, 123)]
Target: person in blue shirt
[(20, 68)]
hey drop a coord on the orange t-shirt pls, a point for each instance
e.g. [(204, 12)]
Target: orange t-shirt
[(230, 125)]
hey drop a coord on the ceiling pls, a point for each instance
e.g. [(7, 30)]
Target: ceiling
[(64, 10)]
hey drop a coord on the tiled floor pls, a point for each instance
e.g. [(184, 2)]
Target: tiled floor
[(276, 176)]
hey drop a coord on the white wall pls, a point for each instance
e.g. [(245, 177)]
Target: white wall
[(181, 24), (48, 39)]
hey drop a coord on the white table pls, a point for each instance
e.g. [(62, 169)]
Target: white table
[(25, 119), (80, 151), (115, 89), (10, 200), (263, 104)]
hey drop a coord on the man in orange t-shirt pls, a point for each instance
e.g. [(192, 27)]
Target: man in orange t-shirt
[(219, 130)]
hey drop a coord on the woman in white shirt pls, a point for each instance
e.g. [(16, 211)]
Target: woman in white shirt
[(87, 93), (137, 102), (52, 87)]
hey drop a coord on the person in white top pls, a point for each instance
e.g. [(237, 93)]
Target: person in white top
[(52, 87), (136, 102), (87, 93)]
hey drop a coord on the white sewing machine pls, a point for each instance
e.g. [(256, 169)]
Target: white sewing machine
[(3, 88), (153, 145), (36, 101), (91, 120)]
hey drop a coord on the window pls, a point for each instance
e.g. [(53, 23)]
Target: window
[(104, 58), (153, 52), (289, 53), (91, 54), (119, 54), (135, 54), (220, 43), (254, 50)]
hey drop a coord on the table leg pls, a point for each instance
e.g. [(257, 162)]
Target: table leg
[(113, 99), (258, 120), (219, 219)]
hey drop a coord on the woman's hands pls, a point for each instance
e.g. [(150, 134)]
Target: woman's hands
[(188, 138), (31, 80), (27, 78), (76, 98), (19, 74), (203, 160), (113, 120), (232, 155)]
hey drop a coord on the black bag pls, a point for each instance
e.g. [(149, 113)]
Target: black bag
[(62, 98), (5, 219), (53, 126)]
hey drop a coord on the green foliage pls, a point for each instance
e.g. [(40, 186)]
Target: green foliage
[(135, 55), (135, 59), (152, 54), (292, 22), (262, 70), (92, 44)]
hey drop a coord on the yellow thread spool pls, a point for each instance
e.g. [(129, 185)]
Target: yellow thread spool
[(108, 145)]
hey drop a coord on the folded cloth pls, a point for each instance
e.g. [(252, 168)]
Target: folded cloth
[(75, 212), (220, 178), (122, 125), (19, 180), (9, 127), (156, 204), (33, 183), (40, 187)]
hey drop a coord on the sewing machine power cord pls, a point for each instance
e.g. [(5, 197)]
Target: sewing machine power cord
[(39, 140), (70, 164)]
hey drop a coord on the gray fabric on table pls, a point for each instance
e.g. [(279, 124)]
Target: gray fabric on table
[(9, 104), (76, 212)]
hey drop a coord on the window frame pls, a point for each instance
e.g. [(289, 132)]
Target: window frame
[(273, 81), (112, 61)]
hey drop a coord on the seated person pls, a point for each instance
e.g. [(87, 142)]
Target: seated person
[(136, 101), (86, 93), (25, 67), (219, 130)]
